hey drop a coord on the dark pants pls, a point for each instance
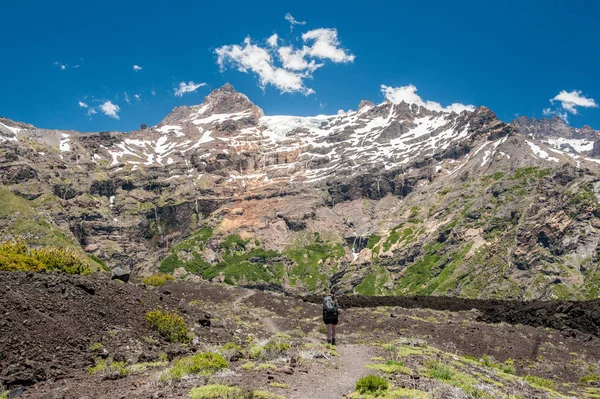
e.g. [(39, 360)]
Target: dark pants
[(331, 324)]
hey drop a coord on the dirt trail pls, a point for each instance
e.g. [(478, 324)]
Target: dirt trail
[(267, 321), (336, 381), (239, 299)]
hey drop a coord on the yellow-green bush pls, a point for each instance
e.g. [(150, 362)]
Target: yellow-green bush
[(216, 392), (205, 363), (109, 368), (15, 255), (170, 325), (371, 384), (157, 280)]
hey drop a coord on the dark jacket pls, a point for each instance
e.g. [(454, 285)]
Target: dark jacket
[(330, 316)]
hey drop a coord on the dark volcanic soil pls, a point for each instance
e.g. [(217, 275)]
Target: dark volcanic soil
[(575, 317), (49, 322)]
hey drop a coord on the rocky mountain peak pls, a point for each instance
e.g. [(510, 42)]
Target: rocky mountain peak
[(543, 127), (365, 103), (226, 99)]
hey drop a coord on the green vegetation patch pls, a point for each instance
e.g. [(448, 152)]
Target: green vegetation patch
[(109, 368), (373, 283), (216, 391), (589, 379), (434, 269), (308, 261), (15, 255), (274, 348), (25, 219), (391, 367), (531, 171), (157, 280), (255, 265), (372, 384), (169, 325), (539, 382), (196, 241), (396, 236), (373, 240), (206, 363)]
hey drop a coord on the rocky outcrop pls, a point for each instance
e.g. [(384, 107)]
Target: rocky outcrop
[(440, 203)]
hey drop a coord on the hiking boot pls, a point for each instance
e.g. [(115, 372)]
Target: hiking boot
[(333, 342), (329, 341)]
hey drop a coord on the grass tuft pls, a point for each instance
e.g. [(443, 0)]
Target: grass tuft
[(371, 384), (170, 325), (206, 363), (157, 280)]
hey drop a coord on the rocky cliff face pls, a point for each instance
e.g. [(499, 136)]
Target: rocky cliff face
[(389, 199)]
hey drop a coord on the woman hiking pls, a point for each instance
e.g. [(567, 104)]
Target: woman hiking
[(330, 316)]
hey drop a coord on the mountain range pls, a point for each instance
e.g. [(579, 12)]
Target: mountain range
[(390, 199)]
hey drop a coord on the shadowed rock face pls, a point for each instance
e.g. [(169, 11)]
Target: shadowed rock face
[(405, 180)]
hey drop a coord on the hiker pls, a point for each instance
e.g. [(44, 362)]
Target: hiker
[(330, 316)]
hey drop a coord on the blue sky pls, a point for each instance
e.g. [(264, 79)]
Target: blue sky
[(512, 56)]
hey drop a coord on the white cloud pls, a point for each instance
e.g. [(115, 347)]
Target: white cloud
[(552, 112), (110, 109), (127, 97), (90, 110), (295, 60), (188, 87), (258, 60), (137, 97), (409, 95), (285, 67), (273, 40), (569, 101), (288, 17), (137, 68), (326, 45), (64, 67), (153, 92)]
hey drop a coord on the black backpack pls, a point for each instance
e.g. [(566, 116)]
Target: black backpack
[(329, 305)]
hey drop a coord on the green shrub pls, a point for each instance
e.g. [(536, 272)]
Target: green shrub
[(439, 371), (279, 385), (109, 368), (255, 352), (540, 382), (279, 343), (170, 325), (96, 347), (231, 351), (157, 280), (248, 366), (586, 379), (391, 367), (215, 392), (205, 363), (260, 394), (371, 384), (508, 367), (15, 255)]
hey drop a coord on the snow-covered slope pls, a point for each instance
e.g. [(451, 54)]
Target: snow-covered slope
[(228, 132)]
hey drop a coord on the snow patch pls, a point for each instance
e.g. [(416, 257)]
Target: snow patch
[(537, 150)]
